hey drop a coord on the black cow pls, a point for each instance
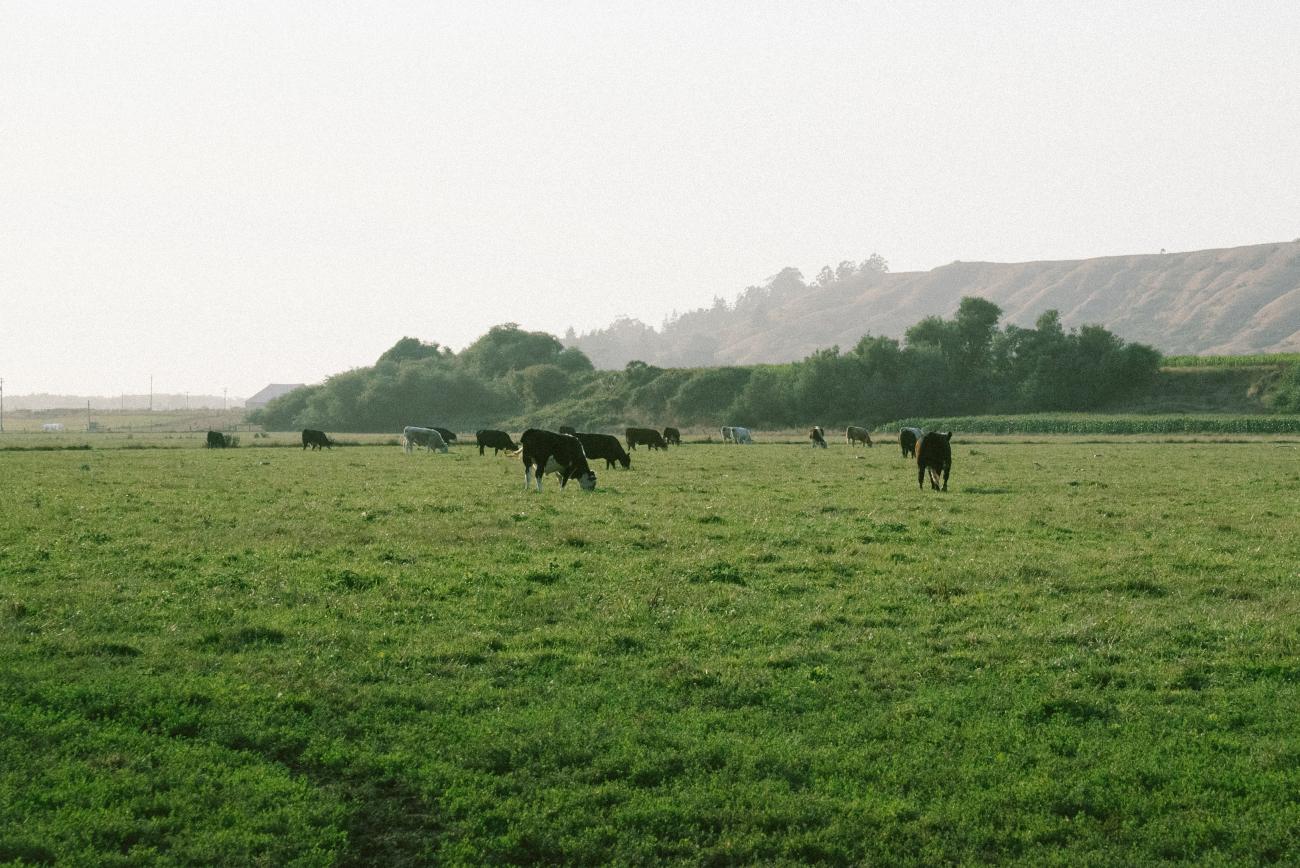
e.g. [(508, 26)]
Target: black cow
[(568, 429), (216, 440), (494, 440), (672, 437), (315, 439), (907, 440), (934, 453), (448, 436), (604, 446), (648, 437), (550, 452)]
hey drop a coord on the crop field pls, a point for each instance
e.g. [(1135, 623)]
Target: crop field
[(1081, 653)]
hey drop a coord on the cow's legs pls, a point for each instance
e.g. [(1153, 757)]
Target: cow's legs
[(946, 468), (528, 475)]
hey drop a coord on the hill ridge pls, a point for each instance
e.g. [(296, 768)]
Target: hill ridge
[(1214, 300)]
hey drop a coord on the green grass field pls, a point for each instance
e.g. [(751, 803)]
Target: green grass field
[(1081, 653)]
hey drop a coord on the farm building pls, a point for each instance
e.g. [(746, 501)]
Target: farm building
[(270, 393)]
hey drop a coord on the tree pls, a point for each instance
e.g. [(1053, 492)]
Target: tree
[(508, 348), (411, 349)]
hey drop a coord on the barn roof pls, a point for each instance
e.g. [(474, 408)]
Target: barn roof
[(271, 392)]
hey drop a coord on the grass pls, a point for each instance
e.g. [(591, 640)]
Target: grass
[(1081, 653)]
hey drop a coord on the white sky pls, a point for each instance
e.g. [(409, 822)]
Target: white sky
[(228, 194)]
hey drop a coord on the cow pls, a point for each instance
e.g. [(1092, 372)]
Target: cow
[(856, 434), (550, 452), (672, 437), (568, 429), (934, 453), (647, 437), (907, 440), (728, 434), (426, 437), (817, 436), (742, 436), (315, 439), (496, 440), (216, 440), (448, 436), (604, 446)]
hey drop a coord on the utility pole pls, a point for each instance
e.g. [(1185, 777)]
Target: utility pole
[(223, 399), (151, 393), (87, 414), (2, 405)]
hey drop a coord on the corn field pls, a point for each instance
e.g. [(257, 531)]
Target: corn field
[(1088, 423), (1248, 361)]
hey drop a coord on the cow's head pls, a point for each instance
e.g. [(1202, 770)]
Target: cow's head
[(588, 480), (626, 461)]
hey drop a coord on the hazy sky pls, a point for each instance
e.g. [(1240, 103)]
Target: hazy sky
[(228, 194)]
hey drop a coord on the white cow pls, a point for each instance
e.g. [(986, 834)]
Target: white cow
[(426, 437), (728, 434), (742, 436)]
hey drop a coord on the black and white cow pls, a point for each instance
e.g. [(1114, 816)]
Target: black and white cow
[(604, 446), (549, 452), (497, 441), (817, 435), (426, 437), (907, 440), (315, 439)]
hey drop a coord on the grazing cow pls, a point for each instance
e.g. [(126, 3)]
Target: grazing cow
[(604, 446), (742, 436), (496, 440), (647, 437), (216, 440), (315, 439), (426, 437), (672, 437), (550, 452), (934, 453), (907, 440), (568, 429), (857, 434), (817, 436), (728, 434)]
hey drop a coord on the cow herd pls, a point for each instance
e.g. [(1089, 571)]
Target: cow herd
[(566, 453)]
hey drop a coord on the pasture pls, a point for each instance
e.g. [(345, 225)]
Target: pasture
[(1083, 652)]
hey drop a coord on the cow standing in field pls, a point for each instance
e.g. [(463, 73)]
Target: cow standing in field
[(818, 437), (728, 434), (426, 437), (495, 440), (934, 453), (647, 437), (742, 436), (672, 437), (216, 440), (604, 446), (315, 439), (907, 439), (549, 452), (857, 434)]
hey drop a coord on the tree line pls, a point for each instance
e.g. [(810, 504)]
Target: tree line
[(511, 378)]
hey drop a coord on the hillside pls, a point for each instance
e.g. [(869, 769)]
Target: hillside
[(1234, 300)]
